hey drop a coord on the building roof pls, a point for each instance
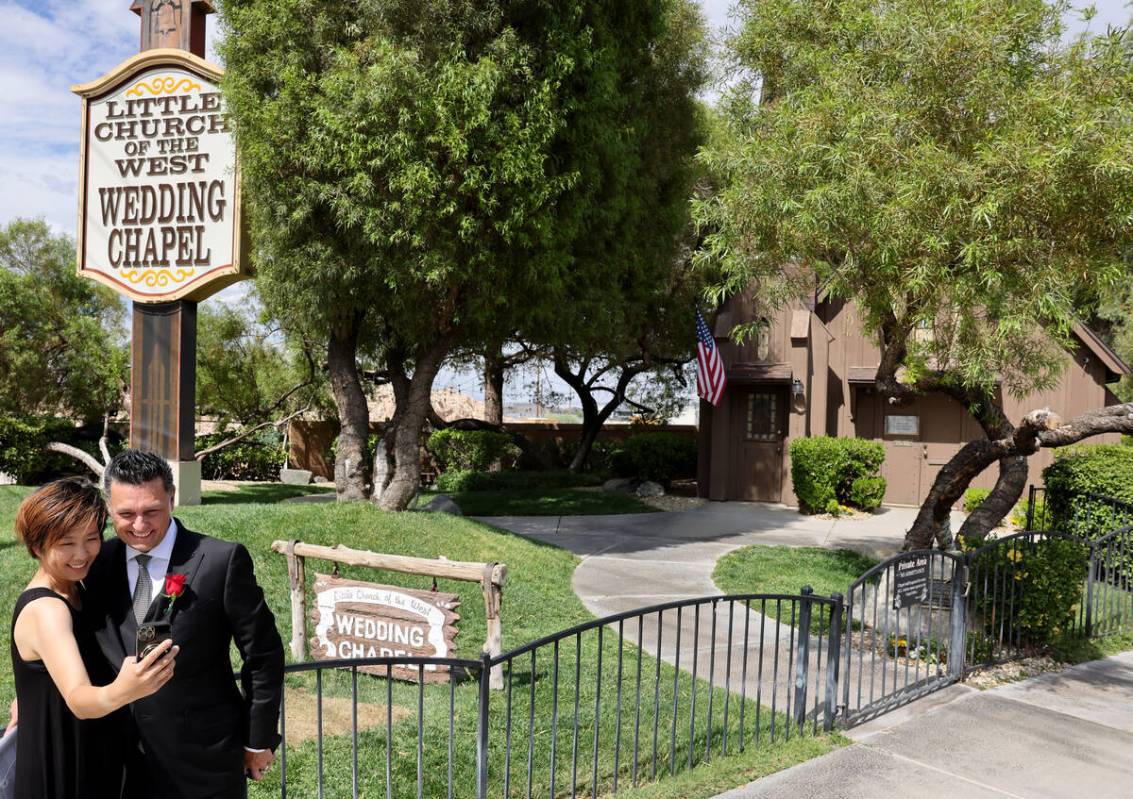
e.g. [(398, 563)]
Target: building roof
[(1115, 366)]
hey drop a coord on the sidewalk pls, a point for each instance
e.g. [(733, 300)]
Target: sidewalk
[(1058, 735)]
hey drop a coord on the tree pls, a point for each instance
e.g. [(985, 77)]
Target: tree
[(953, 165), (249, 370), (406, 164), (627, 306), (62, 340)]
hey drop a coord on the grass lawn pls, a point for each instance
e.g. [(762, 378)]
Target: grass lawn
[(538, 600), (545, 502), (785, 570)]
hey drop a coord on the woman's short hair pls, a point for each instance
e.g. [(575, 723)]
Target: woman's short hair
[(46, 516)]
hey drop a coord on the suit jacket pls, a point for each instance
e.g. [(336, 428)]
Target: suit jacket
[(194, 729)]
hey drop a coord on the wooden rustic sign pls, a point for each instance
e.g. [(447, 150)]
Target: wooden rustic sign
[(356, 620)]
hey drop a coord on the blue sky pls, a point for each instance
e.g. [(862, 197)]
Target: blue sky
[(46, 46)]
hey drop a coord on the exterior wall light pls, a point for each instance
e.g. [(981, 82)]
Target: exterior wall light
[(797, 390)]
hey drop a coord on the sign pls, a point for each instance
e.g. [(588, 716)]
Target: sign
[(910, 581), (159, 193), (364, 620), (902, 425)]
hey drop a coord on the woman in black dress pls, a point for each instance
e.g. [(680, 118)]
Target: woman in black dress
[(57, 751)]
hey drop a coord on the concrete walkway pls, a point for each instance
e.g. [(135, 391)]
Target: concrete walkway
[(1059, 735), (1028, 740)]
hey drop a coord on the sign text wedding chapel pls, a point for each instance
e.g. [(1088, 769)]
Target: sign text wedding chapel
[(159, 192)]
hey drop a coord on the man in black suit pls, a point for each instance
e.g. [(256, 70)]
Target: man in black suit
[(198, 736)]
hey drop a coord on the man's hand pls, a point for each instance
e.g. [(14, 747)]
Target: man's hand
[(256, 763), (12, 718)]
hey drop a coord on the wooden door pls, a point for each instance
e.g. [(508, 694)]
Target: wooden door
[(761, 423)]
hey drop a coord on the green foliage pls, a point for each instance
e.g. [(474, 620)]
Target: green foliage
[(943, 164), (661, 457), (1103, 470), (470, 450), (867, 493), (22, 448), (254, 458), (1039, 588), (824, 470), (514, 480), (62, 345), (247, 372), (974, 497)]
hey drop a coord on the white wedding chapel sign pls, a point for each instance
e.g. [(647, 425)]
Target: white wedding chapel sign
[(159, 193)]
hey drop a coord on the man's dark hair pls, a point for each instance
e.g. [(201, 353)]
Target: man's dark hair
[(135, 467)]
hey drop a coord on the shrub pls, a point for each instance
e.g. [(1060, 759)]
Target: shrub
[(474, 450), (867, 493), (824, 469), (23, 453), (513, 480), (1045, 578), (661, 457), (974, 497), (1099, 469), (255, 458)]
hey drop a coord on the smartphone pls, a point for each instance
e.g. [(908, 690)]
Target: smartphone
[(150, 635)]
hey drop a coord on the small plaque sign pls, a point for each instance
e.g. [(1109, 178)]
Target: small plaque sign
[(363, 620), (902, 425), (910, 582)]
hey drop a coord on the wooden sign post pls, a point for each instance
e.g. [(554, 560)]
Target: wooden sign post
[(159, 215), (491, 576)]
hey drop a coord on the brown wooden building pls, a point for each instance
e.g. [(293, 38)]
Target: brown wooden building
[(809, 371)]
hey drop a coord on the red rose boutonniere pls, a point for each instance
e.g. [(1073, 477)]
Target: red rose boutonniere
[(174, 587)]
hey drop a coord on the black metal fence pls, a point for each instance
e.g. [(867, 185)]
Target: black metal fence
[(589, 711), (629, 698)]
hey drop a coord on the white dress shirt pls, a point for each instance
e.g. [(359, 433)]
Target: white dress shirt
[(158, 563)]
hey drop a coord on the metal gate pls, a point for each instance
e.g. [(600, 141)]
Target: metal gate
[(904, 632)]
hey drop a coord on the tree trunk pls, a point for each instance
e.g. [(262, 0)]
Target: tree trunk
[(384, 461), (593, 417), (406, 480), (1040, 428), (354, 414), (493, 386)]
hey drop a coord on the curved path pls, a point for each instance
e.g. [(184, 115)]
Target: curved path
[(639, 560)]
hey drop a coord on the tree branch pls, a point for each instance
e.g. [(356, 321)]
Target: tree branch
[(229, 441), (86, 458)]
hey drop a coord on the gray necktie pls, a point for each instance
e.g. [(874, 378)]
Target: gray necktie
[(143, 590)]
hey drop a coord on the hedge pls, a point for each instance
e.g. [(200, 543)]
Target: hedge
[(824, 471), (974, 497), (470, 450), (256, 458), (23, 442), (1100, 469), (661, 457)]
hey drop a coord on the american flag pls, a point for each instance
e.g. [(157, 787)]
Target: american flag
[(709, 368)]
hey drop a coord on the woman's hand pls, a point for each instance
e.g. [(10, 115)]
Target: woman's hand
[(142, 678)]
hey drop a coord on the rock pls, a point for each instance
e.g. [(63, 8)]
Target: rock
[(319, 480), (650, 489), (626, 484), (295, 477), (443, 503)]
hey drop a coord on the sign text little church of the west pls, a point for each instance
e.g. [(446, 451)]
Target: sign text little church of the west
[(159, 192)]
